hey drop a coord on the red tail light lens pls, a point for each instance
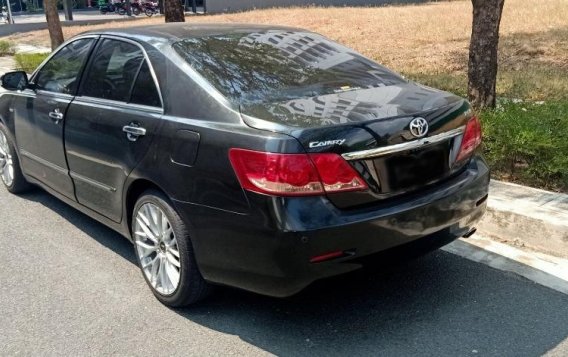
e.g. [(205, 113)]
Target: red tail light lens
[(280, 174), (293, 174), (336, 174), (471, 138)]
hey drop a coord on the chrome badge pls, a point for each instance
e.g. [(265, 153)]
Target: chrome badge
[(418, 127), (318, 144)]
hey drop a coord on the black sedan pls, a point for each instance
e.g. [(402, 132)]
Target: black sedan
[(258, 157)]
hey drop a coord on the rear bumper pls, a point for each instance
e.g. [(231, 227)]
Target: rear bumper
[(269, 250)]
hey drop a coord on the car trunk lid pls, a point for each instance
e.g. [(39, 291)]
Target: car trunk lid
[(371, 128)]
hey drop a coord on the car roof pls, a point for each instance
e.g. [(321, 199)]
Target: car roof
[(177, 31)]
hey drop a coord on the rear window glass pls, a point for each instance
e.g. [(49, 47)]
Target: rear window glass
[(280, 65)]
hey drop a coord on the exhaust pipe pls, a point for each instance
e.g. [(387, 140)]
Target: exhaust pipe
[(470, 233)]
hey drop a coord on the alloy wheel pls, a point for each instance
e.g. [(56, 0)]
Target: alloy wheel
[(6, 161), (157, 248)]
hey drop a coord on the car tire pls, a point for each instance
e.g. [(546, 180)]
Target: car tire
[(10, 170), (157, 235)]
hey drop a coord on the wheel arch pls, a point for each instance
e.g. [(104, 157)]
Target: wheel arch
[(133, 192)]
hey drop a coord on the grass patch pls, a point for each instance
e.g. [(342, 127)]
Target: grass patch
[(427, 42), (6, 48), (29, 61), (542, 83), (527, 143), (453, 83)]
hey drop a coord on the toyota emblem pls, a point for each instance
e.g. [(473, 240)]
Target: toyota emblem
[(419, 127)]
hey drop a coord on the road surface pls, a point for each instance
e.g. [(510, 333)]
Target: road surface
[(69, 286)]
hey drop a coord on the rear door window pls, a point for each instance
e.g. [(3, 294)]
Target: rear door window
[(113, 70), (145, 91)]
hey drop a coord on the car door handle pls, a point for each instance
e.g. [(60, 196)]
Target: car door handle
[(56, 115), (133, 131)]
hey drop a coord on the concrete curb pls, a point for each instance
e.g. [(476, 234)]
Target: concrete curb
[(526, 216), (541, 268)]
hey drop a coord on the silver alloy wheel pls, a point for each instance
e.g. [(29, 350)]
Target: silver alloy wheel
[(157, 248), (6, 163)]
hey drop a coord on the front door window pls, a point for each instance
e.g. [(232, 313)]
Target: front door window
[(61, 72)]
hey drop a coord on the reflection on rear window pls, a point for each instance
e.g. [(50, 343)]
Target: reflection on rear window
[(280, 65)]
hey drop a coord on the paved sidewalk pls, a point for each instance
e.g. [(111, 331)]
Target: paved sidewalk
[(527, 216), (7, 64), (524, 200), (23, 48)]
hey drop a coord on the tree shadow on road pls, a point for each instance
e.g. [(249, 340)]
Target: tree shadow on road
[(439, 305), (102, 234)]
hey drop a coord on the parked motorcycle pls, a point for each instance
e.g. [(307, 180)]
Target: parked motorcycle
[(120, 8), (106, 8), (150, 9), (136, 8)]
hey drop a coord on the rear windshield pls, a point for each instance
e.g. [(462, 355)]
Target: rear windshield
[(280, 65)]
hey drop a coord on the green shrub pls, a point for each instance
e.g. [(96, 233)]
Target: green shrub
[(6, 48), (29, 61), (528, 143)]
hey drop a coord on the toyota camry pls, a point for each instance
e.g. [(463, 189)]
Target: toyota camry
[(259, 157)]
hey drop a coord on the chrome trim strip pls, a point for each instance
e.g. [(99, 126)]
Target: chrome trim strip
[(116, 105), (386, 150), (55, 95), (44, 162), (76, 176)]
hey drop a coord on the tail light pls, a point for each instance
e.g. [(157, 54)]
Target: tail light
[(471, 138), (294, 174)]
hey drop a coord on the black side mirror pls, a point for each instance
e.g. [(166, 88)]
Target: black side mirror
[(17, 80)]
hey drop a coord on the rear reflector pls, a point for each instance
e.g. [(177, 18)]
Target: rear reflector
[(327, 256), (293, 174), (471, 138)]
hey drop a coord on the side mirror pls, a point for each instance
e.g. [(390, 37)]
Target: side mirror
[(17, 80)]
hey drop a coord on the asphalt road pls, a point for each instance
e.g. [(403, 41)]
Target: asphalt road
[(78, 15), (34, 22), (69, 286)]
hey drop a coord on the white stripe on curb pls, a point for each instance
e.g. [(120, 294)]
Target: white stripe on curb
[(540, 268)]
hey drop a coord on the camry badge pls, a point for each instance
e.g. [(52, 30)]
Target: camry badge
[(318, 144), (419, 127)]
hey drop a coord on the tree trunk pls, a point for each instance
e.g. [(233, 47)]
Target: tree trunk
[(128, 8), (482, 70), (53, 24), (173, 10)]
